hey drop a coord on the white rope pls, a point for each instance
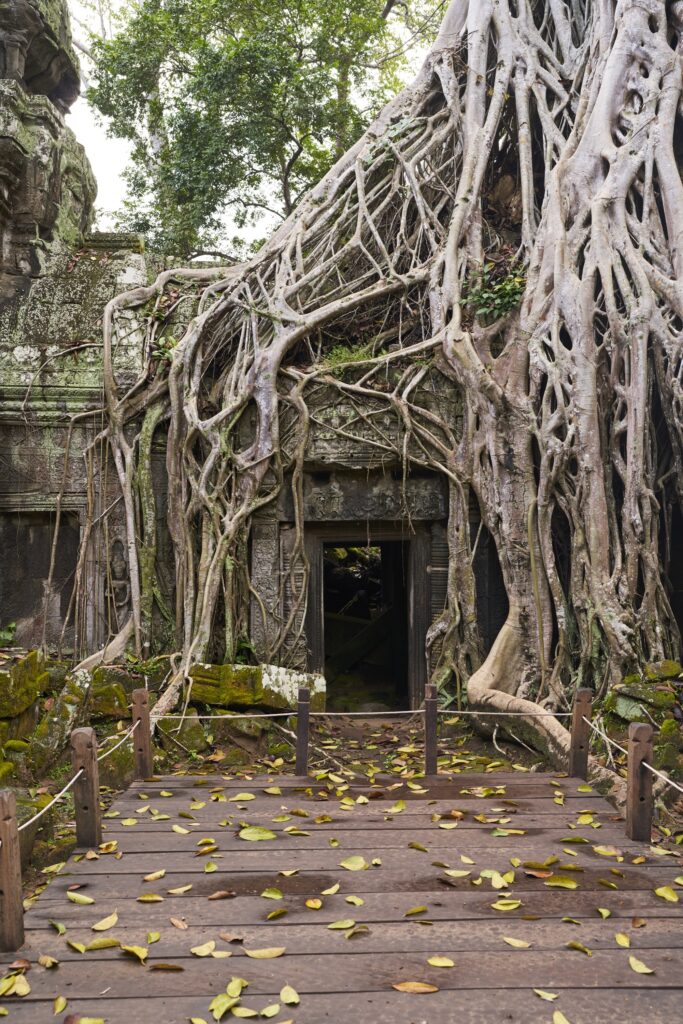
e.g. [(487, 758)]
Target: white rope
[(364, 714), (52, 802), (224, 718), (604, 735), (661, 775), (507, 714), (116, 746)]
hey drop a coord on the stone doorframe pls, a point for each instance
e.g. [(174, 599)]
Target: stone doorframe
[(417, 541)]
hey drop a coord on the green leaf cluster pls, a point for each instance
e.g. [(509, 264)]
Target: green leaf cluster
[(241, 105), (495, 292)]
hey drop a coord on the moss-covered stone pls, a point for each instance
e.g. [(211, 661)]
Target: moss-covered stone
[(191, 734), (117, 770), (57, 672), (21, 683), (664, 670), (640, 699), (136, 676), (109, 700), (254, 686), (16, 746), (6, 771), (668, 746), (235, 756), (52, 733)]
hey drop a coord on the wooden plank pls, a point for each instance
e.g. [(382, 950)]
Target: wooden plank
[(274, 856), (311, 883), (403, 936), (469, 778), (367, 972), (466, 1006), (523, 784), (217, 809), (534, 844), (368, 821), (446, 905)]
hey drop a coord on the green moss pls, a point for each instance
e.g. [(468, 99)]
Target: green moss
[(235, 756), (6, 770), (50, 851), (16, 746), (22, 683), (191, 734), (667, 748), (52, 733), (109, 700), (117, 770), (227, 685), (663, 670), (57, 672)]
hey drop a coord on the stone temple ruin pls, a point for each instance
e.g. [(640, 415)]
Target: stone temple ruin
[(375, 540)]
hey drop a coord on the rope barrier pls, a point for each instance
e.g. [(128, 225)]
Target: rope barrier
[(116, 746), (507, 714), (364, 714), (606, 738), (661, 775), (54, 800), (224, 718), (613, 743)]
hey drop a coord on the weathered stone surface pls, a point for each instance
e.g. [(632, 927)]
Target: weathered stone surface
[(668, 745), (248, 686), (47, 188), (36, 49), (21, 683), (52, 734), (108, 700), (667, 669), (51, 368), (191, 734), (117, 770)]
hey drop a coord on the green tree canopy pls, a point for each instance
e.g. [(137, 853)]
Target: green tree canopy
[(241, 105)]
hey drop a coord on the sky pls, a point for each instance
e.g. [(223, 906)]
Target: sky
[(108, 158)]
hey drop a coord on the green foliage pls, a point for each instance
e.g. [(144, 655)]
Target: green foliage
[(340, 355), (246, 652), (7, 633), (163, 348), (241, 104), (495, 292)]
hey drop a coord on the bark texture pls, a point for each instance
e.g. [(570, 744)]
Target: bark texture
[(513, 221)]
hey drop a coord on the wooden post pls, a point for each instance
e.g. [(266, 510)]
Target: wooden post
[(430, 729), (87, 788), (578, 751), (302, 724), (11, 901), (639, 800), (142, 737)]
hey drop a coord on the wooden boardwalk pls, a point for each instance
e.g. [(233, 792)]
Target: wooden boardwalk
[(508, 821)]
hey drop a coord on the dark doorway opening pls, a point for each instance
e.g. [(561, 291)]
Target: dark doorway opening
[(26, 544), (365, 601)]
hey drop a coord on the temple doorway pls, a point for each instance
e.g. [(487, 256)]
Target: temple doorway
[(365, 607), (368, 612)]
